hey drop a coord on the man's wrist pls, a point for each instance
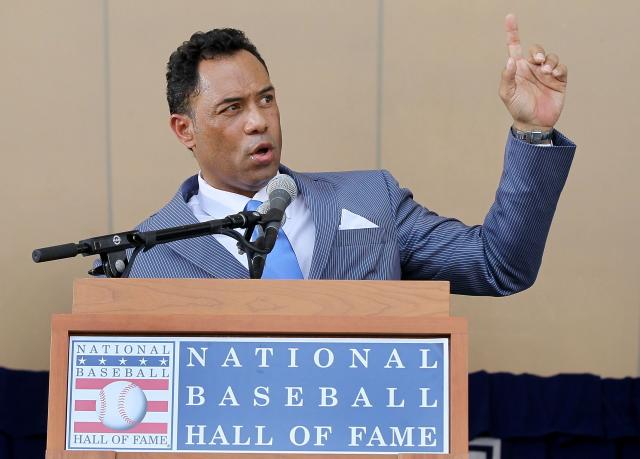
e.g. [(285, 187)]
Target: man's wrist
[(520, 126)]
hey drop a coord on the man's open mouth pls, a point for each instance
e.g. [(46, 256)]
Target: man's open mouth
[(263, 152), (262, 149)]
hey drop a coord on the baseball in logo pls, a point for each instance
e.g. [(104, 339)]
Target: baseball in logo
[(121, 405)]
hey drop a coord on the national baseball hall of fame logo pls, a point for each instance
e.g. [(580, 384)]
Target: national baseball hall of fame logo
[(259, 394), (120, 393)]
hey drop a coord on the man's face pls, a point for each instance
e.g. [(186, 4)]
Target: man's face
[(236, 124)]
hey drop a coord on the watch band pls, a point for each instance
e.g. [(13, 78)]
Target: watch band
[(533, 137)]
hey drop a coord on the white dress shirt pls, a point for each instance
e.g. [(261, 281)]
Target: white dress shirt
[(211, 203)]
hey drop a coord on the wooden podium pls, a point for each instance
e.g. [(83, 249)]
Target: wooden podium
[(184, 307)]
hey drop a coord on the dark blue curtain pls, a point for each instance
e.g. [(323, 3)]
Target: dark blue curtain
[(559, 417), (23, 413), (564, 416)]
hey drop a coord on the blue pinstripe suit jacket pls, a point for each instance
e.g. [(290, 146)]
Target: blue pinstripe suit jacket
[(499, 257)]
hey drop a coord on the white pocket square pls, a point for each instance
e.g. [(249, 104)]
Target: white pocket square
[(349, 221)]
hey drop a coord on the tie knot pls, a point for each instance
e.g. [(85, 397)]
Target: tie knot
[(252, 205)]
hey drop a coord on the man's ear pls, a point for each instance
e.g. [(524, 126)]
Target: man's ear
[(182, 127)]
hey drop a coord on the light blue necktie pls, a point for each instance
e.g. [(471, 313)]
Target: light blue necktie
[(281, 263)]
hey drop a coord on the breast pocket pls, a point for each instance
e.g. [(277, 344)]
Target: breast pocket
[(363, 236), (359, 254)]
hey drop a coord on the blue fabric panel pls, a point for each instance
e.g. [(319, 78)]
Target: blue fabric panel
[(565, 447), (5, 447), (28, 447), (621, 402), (23, 413), (23, 402), (524, 448), (533, 406), (558, 447), (559, 417), (629, 448), (479, 404)]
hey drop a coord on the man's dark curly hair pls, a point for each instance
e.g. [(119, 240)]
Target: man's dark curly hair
[(182, 68)]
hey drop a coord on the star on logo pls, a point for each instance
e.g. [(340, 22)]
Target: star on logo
[(81, 361), (123, 361), (163, 361), (102, 361), (143, 361)]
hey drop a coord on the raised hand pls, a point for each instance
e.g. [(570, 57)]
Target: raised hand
[(532, 89)]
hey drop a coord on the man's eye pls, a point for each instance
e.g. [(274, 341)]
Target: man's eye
[(267, 98), (232, 108)]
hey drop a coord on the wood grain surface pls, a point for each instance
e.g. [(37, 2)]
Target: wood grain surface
[(271, 325), (245, 296), (86, 455)]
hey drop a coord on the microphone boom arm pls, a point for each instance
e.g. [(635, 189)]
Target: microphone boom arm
[(112, 247)]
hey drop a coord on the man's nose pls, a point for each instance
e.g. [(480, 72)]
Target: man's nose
[(256, 122)]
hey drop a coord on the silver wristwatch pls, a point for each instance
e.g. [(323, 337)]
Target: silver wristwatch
[(534, 137)]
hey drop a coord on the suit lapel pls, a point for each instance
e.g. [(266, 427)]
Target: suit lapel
[(204, 252), (209, 255), (322, 200)]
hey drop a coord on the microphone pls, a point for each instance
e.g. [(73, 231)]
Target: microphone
[(263, 209), (282, 190)]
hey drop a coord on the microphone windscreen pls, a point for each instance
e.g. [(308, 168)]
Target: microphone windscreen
[(283, 182)]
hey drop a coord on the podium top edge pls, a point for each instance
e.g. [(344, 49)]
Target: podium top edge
[(277, 297)]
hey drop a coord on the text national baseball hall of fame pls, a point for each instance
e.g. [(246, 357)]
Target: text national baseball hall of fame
[(290, 395)]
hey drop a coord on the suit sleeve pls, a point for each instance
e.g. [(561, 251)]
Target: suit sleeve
[(503, 255)]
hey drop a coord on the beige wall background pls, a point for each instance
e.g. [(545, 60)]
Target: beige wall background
[(410, 86)]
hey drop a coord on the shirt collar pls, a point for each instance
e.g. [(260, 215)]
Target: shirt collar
[(218, 203)]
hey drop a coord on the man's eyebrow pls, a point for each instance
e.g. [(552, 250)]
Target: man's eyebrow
[(229, 100)]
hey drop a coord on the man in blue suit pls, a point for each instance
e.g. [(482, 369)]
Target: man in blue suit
[(353, 225)]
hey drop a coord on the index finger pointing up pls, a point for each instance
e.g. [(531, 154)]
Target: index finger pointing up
[(513, 37)]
